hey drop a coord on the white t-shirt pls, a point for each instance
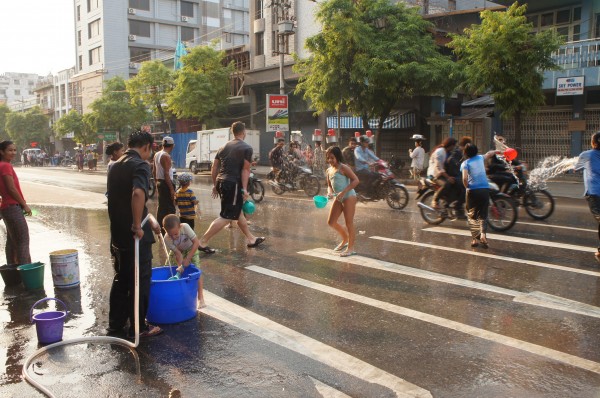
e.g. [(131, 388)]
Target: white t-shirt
[(185, 240), (418, 158)]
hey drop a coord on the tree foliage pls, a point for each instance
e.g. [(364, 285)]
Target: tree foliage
[(201, 86), (114, 109), (4, 111), (370, 55), (150, 87), (84, 128), (501, 57), (26, 127)]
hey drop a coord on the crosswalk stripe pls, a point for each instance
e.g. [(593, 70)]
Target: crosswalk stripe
[(535, 224), (533, 298), (228, 312), (438, 321), (506, 238), (487, 255)]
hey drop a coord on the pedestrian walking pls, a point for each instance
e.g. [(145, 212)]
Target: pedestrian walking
[(163, 175), (589, 161), (183, 244), (418, 157), (348, 152), (230, 172), (128, 184), (319, 160), (341, 182), (186, 200), (478, 194), (13, 208)]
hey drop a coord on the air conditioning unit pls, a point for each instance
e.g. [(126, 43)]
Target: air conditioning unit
[(134, 65), (184, 18), (131, 11), (132, 37)]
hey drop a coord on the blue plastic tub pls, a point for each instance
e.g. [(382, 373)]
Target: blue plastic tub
[(173, 301)]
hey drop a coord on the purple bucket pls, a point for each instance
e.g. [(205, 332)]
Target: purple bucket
[(49, 325)]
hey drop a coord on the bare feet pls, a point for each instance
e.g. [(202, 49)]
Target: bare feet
[(201, 304)]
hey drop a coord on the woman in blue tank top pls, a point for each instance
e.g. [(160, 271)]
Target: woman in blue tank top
[(341, 182)]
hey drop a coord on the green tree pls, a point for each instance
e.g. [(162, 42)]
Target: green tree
[(26, 127), (501, 57), (72, 122), (151, 87), (4, 111), (370, 55), (114, 109), (201, 86)]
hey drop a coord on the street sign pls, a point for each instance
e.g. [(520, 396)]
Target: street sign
[(277, 113), (107, 136)]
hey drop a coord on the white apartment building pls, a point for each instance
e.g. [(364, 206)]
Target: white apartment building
[(17, 87), (113, 37)]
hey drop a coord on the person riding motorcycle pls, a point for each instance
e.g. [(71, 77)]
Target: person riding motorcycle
[(456, 191), (437, 169), (363, 158), (499, 172)]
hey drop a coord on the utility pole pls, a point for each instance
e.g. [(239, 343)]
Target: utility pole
[(281, 10)]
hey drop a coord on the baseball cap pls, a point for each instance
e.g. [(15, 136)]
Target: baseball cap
[(168, 140)]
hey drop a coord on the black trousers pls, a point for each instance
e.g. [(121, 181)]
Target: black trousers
[(594, 205), (166, 204), (122, 292)]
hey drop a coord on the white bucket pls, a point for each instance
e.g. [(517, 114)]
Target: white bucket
[(65, 268)]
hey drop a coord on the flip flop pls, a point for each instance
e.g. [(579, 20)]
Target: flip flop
[(206, 249), (257, 242), (347, 254), (340, 247), (474, 243), (150, 332)]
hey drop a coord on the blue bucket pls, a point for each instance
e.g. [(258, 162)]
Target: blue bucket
[(49, 324), (173, 301)]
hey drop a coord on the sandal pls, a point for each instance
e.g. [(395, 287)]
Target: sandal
[(340, 247), (206, 249), (257, 242), (474, 243), (484, 244), (150, 332), (347, 254)]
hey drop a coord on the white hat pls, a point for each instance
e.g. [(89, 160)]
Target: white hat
[(168, 140), (418, 137)]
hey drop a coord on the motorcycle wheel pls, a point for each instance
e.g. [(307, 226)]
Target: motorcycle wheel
[(539, 205), (258, 191), (152, 189), (311, 186), (431, 217), (276, 188), (396, 197), (502, 214)]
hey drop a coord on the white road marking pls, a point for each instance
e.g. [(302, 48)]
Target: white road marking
[(262, 327), (535, 298), (494, 256), (438, 321), (506, 238), (327, 391), (556, 226)]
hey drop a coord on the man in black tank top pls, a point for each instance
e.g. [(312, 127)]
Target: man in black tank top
[(230, 173)]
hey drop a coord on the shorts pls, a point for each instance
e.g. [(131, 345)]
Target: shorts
[(232, 199)]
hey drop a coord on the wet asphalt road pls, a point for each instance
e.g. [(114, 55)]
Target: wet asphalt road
[(418, 312)]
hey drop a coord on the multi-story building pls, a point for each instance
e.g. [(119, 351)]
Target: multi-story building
[(15, 87)]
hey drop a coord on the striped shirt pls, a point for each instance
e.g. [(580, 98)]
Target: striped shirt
[(185, 203)]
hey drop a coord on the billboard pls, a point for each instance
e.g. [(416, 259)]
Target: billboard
[(277, 113), (569, 85)]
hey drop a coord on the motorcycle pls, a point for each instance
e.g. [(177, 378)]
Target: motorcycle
[(502, 213), (538, 202), (294, 178), (256, 189), (386, 187)]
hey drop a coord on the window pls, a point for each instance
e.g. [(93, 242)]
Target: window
[(17, 81), (564, 32), (212, 10), (563, 16), (187, 9), (191, 147), (94, 55), (187, 34), (80, 62), (260, 43), (78, 13), (2, 91), (140, 4), (576, 13), (139, 28), (94, 29), (576, 32), (597, 25), (92, 5), (137, 54), (548, 19), (30, 82), (259, 9), (78, 37), (17, 92)]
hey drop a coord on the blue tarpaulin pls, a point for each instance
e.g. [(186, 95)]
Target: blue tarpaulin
[(179, 151)]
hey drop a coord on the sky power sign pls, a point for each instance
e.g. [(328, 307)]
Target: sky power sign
[(569, 85), (277, 113)]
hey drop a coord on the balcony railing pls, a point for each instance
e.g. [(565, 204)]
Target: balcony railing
[(578, 54)]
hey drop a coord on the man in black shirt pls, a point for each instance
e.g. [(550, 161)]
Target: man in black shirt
[(230, 172), (276, 159), (348, 152), (127, 189)]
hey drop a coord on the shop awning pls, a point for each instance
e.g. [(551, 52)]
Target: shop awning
[(402, 119)]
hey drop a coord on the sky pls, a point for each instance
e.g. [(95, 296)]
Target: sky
[(36, 36)]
